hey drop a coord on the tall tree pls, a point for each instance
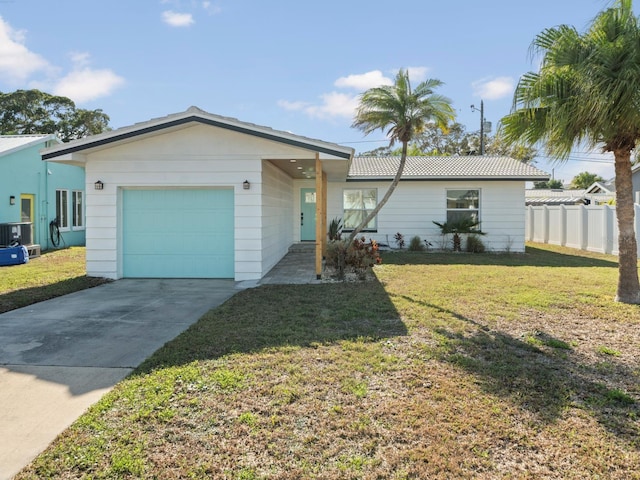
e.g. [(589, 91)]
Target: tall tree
[(584, 180), (35, 112), (457, 141), (550, 184), (497, 145), (403, 112), (434, 141), (586, 90)]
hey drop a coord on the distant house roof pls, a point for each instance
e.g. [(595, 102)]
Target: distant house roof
[(543, 196), (445, 168), (194, 114), (13, 143), (603, 187)]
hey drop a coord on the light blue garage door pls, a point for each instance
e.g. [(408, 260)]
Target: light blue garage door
[(178, 233)]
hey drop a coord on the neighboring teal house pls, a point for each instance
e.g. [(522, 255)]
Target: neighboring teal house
[(41, 201)]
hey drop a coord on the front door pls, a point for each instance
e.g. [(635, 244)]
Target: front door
[(307, 214), (27, 214)]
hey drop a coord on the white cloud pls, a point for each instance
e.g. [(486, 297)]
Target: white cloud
[(494, 88), (210, 8), (80, 59), (175, 19), (87, 84), (20, 66), (343, 105), (363, 81), (417, 74), (292, 106), (17, 63), (83, 83), (334, 104)]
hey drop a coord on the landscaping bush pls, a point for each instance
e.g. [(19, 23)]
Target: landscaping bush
[(415, 244), (358, 258), (335, 229), (474, 244), (399, 238)]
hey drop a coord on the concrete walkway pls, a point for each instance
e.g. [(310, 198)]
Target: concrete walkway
[(297, 267), (60, 356), (294, 268)]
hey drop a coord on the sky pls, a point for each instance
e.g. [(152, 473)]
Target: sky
[(292, 65)]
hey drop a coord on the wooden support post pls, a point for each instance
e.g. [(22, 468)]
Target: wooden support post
[(321, 215)]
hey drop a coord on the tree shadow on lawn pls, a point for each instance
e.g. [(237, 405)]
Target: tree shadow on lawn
[(272, 316), (28, 296), (545, 380), (533, 257)]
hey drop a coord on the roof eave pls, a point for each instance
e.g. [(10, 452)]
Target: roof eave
[(448, 178), (236, 126)]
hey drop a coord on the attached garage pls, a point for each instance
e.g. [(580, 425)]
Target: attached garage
[(178, 233), (196, 195)]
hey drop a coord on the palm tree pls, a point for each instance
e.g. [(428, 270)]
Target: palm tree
[(403, 113), (586, 91)]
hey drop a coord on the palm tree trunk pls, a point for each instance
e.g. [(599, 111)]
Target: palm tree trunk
[(628, 285), (392, 187)]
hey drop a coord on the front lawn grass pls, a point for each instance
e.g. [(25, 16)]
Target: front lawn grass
[(448, 366), (54, 273)]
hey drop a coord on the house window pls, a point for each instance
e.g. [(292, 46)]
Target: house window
[(62, 209), (357, 204), (78, 209), (463, 205)]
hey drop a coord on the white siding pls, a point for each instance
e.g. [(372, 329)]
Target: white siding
[(192, 157), (414, 206), (277, 208)]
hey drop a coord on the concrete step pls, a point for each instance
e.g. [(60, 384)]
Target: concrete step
[(303, 247)]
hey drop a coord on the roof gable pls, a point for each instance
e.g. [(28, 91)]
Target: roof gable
[(602, 187), (445, 168), (194, 114)]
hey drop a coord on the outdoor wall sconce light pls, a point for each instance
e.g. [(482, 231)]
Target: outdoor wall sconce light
[(98, 185), (246, 185), (12, 200)]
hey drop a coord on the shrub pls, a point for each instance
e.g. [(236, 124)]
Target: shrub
[(415, 244), (399, 238), (362, 255), (474, 244), (335, 229), (359, 257)]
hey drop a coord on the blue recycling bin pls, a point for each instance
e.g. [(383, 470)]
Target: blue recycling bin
[(14, 255)]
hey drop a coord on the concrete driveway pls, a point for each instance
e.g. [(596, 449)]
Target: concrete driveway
[(60, 356)]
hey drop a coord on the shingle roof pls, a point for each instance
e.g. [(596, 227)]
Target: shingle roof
[(11, 143), (445, 168)]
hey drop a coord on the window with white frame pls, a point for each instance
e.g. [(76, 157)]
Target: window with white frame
[(77, 204), (357, 203), (62, 209), (463, 205)]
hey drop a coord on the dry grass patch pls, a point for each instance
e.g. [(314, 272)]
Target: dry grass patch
[(448, 366)]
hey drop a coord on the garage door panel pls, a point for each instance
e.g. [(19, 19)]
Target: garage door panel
[(178, 233)]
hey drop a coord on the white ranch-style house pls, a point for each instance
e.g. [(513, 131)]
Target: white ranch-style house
[(199, 195)]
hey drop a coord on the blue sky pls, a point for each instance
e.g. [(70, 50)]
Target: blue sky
[(291, 65)]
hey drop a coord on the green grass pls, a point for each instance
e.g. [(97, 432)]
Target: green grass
[(54, 273), (447, 366)]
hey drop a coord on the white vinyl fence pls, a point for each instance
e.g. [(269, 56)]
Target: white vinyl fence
[(592, 228)]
